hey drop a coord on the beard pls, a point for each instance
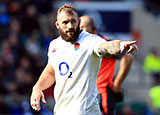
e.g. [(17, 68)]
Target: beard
[(71, 38)]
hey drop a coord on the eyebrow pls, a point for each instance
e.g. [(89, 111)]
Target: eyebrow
[(69, 20)]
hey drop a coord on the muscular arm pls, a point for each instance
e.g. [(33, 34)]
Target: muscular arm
[(125, 65), (45, 80), (115, 47), (108, 49)]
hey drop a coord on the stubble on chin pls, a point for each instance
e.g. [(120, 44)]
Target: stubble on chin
[(71, 38)]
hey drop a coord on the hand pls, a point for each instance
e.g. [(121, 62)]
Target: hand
[(116, 89), (36, 96), (132, 48), (118, 94), (128, 45)]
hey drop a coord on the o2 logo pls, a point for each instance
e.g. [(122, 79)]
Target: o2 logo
[(64, 69)]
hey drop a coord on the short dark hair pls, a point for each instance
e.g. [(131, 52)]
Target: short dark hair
[(69, 8)]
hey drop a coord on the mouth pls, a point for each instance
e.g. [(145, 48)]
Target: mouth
[(70, 32)]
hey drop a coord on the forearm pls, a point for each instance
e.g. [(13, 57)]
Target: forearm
[(116, 47), (108, 49), (125, 65), (46, 78)]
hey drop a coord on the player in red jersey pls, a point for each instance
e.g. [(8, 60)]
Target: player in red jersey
[(109, 91)]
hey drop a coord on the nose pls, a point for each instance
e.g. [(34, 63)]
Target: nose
[(70, 25)]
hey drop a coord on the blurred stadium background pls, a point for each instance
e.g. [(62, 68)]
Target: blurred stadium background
[(27, 27)]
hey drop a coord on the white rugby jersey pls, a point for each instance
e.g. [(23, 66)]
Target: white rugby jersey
[(76, 67)]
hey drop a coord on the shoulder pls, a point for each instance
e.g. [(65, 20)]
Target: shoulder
[(54, 41), (86, 35), (104, 37)]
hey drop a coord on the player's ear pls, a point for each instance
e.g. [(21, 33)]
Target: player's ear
[(93, 28), (57, 24)]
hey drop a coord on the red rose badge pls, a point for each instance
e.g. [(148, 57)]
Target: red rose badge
[(76, 46)]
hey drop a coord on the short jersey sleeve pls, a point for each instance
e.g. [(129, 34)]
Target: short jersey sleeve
[(50, 50), (98, 41)]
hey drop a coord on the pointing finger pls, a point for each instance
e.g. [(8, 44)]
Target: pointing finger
[(130, 42)]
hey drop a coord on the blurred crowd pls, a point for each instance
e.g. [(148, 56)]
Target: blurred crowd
[(26, 29), (151, 67)]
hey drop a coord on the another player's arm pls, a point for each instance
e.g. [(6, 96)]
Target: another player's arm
[(115, 47), (125, 65), (46, 79)]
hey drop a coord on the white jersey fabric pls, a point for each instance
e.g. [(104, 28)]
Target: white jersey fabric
[(76, 69)]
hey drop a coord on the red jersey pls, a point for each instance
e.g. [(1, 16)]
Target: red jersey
[(106, 73)]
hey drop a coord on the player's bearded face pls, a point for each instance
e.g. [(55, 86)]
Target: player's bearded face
[(70, 35)]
